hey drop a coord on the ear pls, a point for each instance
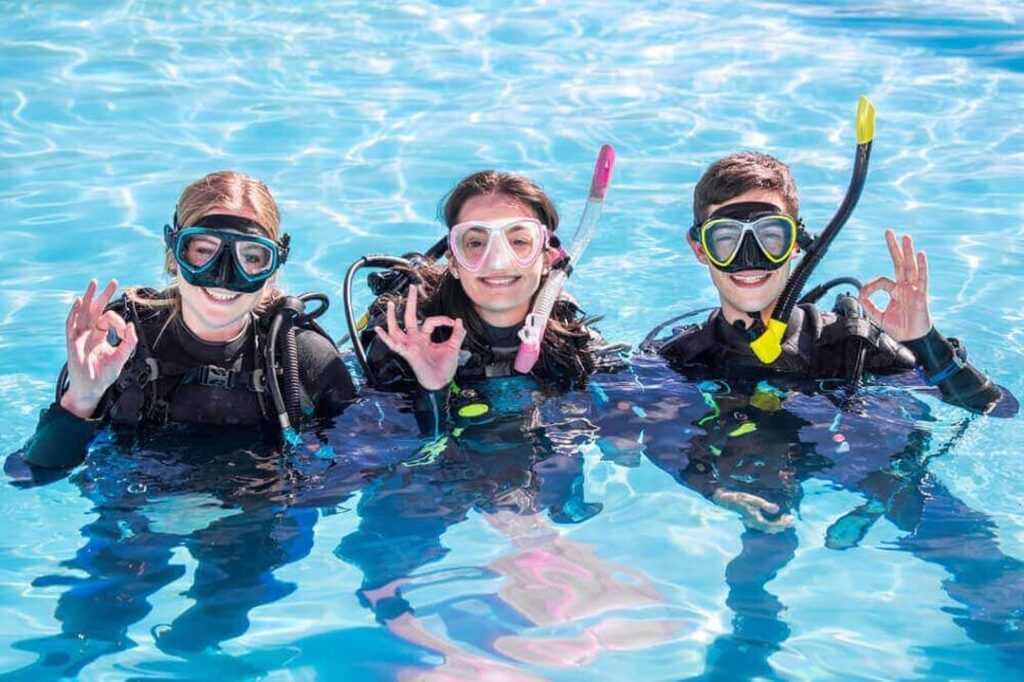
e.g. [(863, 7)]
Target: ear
[(697, 249), (452, 266), (549, 258)]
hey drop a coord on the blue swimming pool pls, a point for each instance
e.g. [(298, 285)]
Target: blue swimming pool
[(545, 543)]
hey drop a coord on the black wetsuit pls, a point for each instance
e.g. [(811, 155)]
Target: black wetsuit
[(828, 345), (176, 377)]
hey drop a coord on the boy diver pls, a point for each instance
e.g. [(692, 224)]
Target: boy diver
[(746, 230)]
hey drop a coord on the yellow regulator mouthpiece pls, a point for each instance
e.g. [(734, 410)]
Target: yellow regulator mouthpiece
[(865, 121), (768, 346)]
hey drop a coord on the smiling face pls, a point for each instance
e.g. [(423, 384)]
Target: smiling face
[(746, 291), (215, 314), (500, 290)]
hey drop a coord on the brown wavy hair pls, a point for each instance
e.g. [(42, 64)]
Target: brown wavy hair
[(564, 350)]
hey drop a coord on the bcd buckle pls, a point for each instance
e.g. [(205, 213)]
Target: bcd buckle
[(217, 377)]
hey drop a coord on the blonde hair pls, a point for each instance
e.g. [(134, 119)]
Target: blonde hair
[(220, 192)]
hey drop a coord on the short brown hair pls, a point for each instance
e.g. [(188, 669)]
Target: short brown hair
[(741, 172)]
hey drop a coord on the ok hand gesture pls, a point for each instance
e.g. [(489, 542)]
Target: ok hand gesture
[(434, 364), (906, 316), (94, 364)]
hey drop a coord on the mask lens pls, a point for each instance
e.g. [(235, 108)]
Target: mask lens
[(775, 235), (255, 259), (198, 250), (722, 239), (524, 239), (471, 245)]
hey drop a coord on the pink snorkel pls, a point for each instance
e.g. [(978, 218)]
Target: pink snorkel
[(532, 332)]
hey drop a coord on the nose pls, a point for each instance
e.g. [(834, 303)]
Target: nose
[(498, 257)]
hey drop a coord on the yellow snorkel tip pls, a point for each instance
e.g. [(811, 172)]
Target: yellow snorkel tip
[(768, 346), (865, 121)]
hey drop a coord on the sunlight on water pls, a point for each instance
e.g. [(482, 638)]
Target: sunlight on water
[(360, 118)]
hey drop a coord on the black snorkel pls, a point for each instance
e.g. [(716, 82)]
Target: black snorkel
[(767, 339), (402, 271)]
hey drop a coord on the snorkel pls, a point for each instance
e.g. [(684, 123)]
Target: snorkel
[(532, 332), (767, 340)]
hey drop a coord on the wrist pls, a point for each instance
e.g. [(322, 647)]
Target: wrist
[(434, 383), (80, 405)]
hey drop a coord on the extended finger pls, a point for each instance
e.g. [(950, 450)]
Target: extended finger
[(391, 318), (922, 270), (909, 261), (410, 310), (98, 305), (71, 323), (765, 505), (894, 253), (87, 299)]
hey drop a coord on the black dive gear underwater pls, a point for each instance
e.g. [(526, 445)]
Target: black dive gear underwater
[(223, 251), (766, 340), (749, 235)]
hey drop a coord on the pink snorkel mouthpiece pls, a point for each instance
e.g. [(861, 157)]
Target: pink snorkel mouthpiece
[(532, 333), (602, 173)]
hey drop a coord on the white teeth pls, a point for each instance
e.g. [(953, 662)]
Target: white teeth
[(750, 279), (221, 297), (499, 281)]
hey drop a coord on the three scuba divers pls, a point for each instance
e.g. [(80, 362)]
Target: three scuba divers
[(221, 345)]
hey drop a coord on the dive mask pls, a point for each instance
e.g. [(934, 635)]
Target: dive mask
[(225, 252), (522, 239), (749, 236)]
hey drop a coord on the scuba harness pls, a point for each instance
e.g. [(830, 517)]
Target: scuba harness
[(852, 329), (146, 383)]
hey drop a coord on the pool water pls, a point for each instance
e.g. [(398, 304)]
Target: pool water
[(569, 535)]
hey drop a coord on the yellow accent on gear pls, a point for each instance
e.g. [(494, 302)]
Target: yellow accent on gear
[(768, 346), (743, 429), (865, 121), (473, 410), (766, 402)]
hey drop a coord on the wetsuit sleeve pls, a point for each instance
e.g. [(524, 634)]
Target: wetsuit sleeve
[(432, 410), (324, 374), (61, 439), (944, 364)]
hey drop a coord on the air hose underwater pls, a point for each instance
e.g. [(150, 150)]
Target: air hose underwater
[(767, 340), (532, 333)]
